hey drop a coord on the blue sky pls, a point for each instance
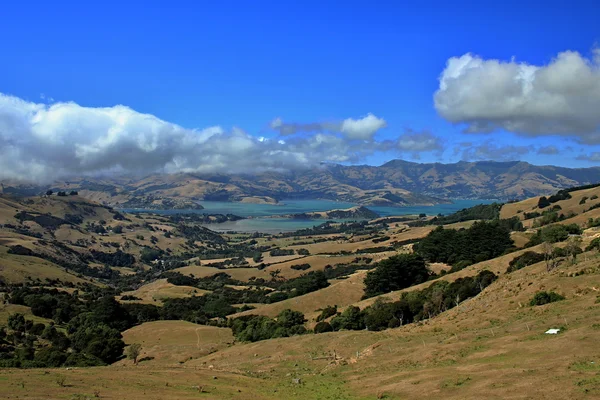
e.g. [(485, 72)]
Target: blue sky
[(242, 64)]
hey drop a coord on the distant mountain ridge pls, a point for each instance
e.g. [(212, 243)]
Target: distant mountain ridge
[(396, 183)]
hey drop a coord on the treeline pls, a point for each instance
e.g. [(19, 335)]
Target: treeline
[(203, 218), (396, 273), (282, 289), (330, 227), (460, 248), (413, 306), (554, 234), (252, 328), (560, 195), (93, 321), (478, 212)]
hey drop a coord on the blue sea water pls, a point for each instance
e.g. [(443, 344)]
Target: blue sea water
[(258, 214)]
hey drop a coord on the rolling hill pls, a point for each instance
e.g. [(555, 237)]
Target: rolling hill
[(396, 183), (491, 344)]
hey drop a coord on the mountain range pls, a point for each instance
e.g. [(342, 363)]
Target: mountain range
[(396, 183)]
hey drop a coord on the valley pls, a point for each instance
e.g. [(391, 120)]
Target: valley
[(208, 309)]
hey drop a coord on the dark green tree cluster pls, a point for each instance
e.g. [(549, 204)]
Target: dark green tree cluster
[(414, 306), (300, 267), (310, 282), (327, 312), (116, 259), (252, 328), (524, 260), (541, 298), (484, 212), (554, 234), (395, 273), (460, 248), (93, 332), (281, 252)]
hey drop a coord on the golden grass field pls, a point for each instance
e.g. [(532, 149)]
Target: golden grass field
[(160, 289), (491, 346)]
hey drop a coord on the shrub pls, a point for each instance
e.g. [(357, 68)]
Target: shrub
[(542, 298), (352, 319), (327, 312), (281, 252), (300, 267), (543, 202), (525, 259), (594, 244), (323, 327)]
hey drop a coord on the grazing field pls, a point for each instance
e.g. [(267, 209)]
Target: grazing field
[(491, 345), (174, 342), (19, 269), (155, 292)]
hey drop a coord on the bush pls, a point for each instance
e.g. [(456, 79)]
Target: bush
[(323, 327), (543, 202), (281, 252), (554, 234), (351, 319), (542, 298), (525, 259), (327, 312), (594, 244), (252, 328), (300, 267)]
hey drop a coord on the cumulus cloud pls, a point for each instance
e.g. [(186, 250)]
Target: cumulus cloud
[(593, 157), (42, 142), (423, 141), (363, 128), (562, 97), (491, 151), (287, 128), (548, 150), (354, 129)]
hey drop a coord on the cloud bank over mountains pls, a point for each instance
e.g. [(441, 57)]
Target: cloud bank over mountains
[(40, 142), (43, 142)]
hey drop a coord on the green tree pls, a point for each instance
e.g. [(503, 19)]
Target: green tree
[(290, 318), (543, 202), (134, 351), (16, 322), (395, 273), (542, 298), (322, 327), (350, 319)]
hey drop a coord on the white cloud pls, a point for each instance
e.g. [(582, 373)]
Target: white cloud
[(363, 128), (42, 142), (354, 129), (490, 151), (548, 150), (593, 157), (419, 142), (562, 97)]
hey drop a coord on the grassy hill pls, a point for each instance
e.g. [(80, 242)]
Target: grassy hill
[(396, 183), (488, 345)]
